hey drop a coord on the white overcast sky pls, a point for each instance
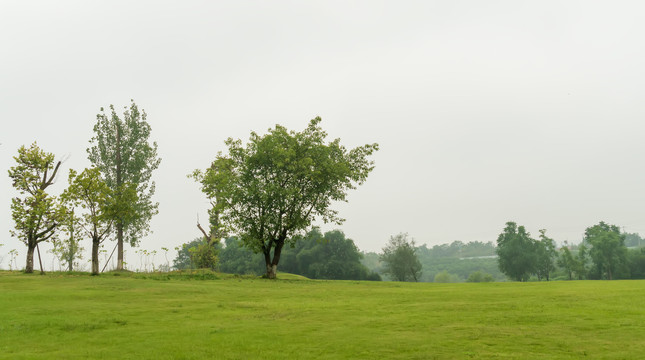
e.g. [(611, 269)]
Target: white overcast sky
[(485, 111)]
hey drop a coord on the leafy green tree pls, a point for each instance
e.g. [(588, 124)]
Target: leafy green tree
[(101, 208), (36, 213), (121, 150), (566, 261), (545, 256), (516, 252), (582, 259), (215, 182), (608, 250), (573, 265), (400, 259), (68, 249), (282, 181), (183, 260)]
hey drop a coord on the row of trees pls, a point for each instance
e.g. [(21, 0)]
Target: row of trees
[(267, 192), (113, 196), (602, 254)]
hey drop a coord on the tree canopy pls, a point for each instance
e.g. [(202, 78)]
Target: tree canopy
[(608, 250), (516, 252), (36, 213), (278, 183)]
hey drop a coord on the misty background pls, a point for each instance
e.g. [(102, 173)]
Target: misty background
[(485, 112)]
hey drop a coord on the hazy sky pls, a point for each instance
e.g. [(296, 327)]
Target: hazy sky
[(485, 111)]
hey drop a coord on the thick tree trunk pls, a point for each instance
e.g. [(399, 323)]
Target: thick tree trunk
[(95, 257), (271, 271), (29, 267), (272, 265), (119, 239)]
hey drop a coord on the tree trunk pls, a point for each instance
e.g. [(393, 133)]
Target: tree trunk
[(267, 261), (271, 271), (119, 239), (95, 257), (29, 267), (119, 182), (272, 265)]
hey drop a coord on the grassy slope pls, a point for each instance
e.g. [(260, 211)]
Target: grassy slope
[(68, 317)]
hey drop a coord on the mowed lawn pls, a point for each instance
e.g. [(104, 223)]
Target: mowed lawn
[(117, 317)]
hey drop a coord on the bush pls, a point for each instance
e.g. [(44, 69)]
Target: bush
[(445, 277), (479, 276)]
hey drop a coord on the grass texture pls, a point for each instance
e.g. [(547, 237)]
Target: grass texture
[(58, 316)]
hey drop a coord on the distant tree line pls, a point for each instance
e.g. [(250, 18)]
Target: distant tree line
[(315, 255), (603, 254)]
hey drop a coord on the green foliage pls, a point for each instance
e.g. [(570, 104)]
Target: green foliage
[(197, 254), (636, 261), (316, 256), (633, 240), (516, 252), (183, 260), (574, 266), (120, 149), (68, 249), (216, 183), (400, 259), (226, 318), (99, 207), (204, 256), (608, 250), (479, 276), (329, 256), (545, 255), (274, 187), (445, 277), (234, 258), (36, 214)]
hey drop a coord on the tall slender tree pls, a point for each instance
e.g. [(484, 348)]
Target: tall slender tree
[(36, 213), (122, 151)]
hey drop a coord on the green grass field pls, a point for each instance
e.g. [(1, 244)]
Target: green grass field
[(127, 317)]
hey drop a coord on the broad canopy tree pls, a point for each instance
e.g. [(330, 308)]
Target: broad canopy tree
[(278, 183), (516, 252), (608, 250), (121, 150), (36, 213)]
